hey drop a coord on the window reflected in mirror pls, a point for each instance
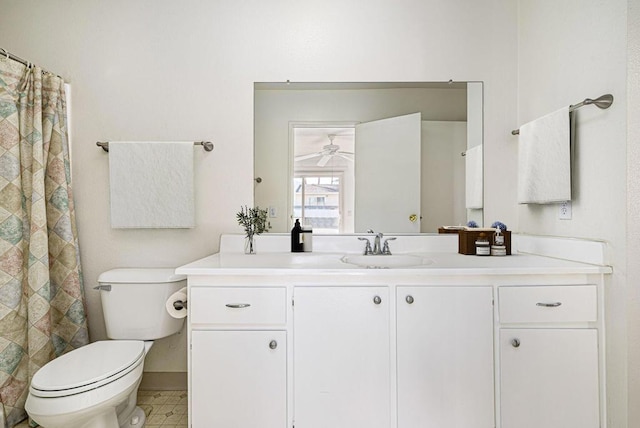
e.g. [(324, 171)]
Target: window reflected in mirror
[(323, 178)]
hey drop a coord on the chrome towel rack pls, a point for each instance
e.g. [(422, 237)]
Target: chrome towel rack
[(603, 102), (208, 145)]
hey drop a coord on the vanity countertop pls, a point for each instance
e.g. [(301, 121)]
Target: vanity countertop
[(440, 263)]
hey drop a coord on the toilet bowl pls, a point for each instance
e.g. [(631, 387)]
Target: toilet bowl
[(96, 386)]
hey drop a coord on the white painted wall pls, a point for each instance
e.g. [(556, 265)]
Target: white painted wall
[(442, 184), (165, 69), (633, 210), (475, 126), (568, 51)]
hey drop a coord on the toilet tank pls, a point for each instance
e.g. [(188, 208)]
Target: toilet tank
[(133, 302)]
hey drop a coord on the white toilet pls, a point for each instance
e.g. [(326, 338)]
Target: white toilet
[(95, 386)]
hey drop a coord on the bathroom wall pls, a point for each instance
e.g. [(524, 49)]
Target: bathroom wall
[(568, 51), (162, 70), (633, 209)]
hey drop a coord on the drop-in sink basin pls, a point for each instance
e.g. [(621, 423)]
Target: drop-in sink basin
[(392, 261)]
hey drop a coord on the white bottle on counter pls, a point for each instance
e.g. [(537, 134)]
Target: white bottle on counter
[(306, 239)]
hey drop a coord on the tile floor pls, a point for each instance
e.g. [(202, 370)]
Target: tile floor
[(166, 409)]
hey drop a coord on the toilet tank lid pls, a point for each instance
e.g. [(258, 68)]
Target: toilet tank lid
[(140, 275)]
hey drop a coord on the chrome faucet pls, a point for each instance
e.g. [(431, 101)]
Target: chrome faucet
[(376, 243), (385, 246), (367, 246), (377, 248)]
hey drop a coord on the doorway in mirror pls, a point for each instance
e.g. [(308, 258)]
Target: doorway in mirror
[(323, 177)]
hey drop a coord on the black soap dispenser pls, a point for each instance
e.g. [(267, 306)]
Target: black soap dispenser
[(296, 242)]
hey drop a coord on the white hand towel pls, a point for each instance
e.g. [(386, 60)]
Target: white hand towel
[(473, 177), (151, 184), (544, 159)]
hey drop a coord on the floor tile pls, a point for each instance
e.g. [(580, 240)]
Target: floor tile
[(165, 409)]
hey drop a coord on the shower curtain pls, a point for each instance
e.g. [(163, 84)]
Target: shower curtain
[(42, 306)]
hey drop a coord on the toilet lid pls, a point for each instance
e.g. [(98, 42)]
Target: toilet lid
[(87, 368)]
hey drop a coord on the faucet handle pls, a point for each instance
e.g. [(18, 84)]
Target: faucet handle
[(367, 246), (385, 246)]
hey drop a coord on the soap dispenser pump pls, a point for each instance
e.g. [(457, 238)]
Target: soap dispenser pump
[(296, 238)]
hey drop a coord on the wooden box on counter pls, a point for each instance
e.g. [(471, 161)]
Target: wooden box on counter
[(467, 240)]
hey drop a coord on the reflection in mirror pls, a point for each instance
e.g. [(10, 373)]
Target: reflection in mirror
[(347, 157), (323, 176)]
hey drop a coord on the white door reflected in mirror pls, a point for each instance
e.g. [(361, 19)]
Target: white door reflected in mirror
[(387, 168)]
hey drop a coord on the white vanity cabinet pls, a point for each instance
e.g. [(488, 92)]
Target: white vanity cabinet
[(445, 357), (238, 357), (282, 340), (241, 379), (548, 348), (341, 358)]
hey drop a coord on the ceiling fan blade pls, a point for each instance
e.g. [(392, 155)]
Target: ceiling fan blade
[(345, 153), (308, 156), (323, 160), (349, 158)]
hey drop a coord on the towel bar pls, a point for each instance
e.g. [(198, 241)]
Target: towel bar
[(208, 145), (603, 102)]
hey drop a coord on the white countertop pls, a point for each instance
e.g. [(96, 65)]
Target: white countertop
[(538, 256), (285, 263)]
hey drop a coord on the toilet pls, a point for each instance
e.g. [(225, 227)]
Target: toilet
[(95, 386)]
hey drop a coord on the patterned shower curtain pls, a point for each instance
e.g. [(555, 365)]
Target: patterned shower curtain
[(42, 307)]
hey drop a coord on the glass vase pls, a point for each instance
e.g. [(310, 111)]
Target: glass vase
[(249, 244)]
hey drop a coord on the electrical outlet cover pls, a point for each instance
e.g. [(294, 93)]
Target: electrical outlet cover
[(565, 211)]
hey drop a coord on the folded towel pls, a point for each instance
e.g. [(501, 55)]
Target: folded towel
[(151, 184), (473, 177), (544, 159)]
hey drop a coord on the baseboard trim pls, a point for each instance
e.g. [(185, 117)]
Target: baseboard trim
[(164, 381)]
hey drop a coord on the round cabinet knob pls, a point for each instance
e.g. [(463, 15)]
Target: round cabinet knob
[(515, 343), (273, 344), (409, 299), (377, 300)]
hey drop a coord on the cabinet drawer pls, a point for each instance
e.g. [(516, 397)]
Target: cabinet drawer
[(238, 306), (548, 304)]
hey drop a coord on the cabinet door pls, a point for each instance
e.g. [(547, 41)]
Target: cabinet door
[(445, 357), (549, 378), (341, 357), (238, 379)]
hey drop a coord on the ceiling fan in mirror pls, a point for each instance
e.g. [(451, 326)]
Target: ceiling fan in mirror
[(327, 153)]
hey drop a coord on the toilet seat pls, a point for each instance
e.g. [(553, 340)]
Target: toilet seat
[(87, 368)]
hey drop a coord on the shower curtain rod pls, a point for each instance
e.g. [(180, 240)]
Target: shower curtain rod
[(5, 53), (603, 102)]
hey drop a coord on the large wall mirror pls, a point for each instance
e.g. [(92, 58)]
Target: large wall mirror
[(395, 157)]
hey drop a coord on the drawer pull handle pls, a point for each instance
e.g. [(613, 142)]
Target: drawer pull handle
[(377, 300), (409, 299), (515, 343), (273, 344), (237, 305), (549, 305)]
